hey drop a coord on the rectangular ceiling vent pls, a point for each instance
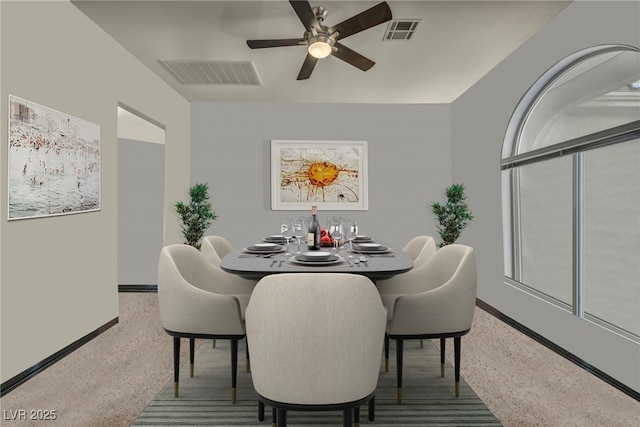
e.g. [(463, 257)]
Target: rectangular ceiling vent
[(213, 72), (401, 29)]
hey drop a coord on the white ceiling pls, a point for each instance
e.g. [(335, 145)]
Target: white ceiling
[(456, 43)]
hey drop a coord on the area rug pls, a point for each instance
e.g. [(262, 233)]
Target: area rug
[(428, 399)]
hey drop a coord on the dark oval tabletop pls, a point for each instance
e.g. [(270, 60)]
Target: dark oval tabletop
[(255, 265)]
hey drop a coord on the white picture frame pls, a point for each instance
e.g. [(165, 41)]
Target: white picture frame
[(53, 162), (330, 174)]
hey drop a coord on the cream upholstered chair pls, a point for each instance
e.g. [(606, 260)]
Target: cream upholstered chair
[(316, 342), (214, 249), (194, 303), (420, 249), (438, 301)]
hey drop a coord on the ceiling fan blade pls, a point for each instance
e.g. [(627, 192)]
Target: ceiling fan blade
[(369, 18), (354, 58), (305, 13), (261, 44), (307, 67)]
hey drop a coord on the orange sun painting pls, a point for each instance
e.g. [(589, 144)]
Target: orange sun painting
[(328, 173)]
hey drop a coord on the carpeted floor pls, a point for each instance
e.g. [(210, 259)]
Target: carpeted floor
[(111, 380)]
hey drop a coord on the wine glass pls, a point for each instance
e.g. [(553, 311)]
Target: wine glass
[(335, 231), (286, 228), (298, 230), (350, 230)]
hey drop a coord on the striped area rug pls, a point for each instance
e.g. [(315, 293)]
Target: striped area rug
[(428, 399)]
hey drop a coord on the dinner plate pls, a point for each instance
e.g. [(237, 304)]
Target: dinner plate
[(369, 246), (333, 259), (316, 256), (275, 238), (362, 239), (264, 248), (380, 250)]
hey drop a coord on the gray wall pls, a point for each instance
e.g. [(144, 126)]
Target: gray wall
[(480, 119), (409, 162), (58, 275), (140, 211)]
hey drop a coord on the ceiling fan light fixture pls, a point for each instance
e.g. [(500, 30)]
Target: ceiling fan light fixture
[(320, 46)]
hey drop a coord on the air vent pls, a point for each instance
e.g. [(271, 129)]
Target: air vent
[(401, 29), (213, 72)]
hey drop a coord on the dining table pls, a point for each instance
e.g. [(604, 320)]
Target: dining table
[(369, 257)]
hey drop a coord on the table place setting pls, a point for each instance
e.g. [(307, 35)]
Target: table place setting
[(361, 238), (371, 248), (316, 258), (276, 238), (264, 249)]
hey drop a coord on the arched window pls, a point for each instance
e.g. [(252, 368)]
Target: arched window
[(571, 188)]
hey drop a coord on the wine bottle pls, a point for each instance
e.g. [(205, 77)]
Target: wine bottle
[(313, 233)]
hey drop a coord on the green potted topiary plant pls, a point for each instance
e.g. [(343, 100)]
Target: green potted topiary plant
[(197, 215), (453, 216)]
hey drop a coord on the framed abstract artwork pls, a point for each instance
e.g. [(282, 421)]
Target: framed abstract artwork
[(329, 174), (53, 162)]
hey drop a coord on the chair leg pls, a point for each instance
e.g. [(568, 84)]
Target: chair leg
[(192, 355), (260, 411), (386, 353), (176, 365), (234, 369), (248, 363), (213, 343), (281, 417), (274, 416), (457, 344), (443, 344), (421, 343), (347, 417), (372, 409), (399, 354)]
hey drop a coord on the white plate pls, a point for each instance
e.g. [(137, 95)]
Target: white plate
[(264, 250), (316, 256), (264, 245), (380, 250), (369, 245), (275, 239), (333, 259)]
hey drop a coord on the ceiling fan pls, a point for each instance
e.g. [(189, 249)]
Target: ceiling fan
[(322, 41)]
